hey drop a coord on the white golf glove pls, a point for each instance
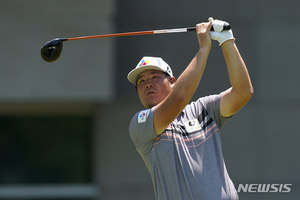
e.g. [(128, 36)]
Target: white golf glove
[(218, 33)]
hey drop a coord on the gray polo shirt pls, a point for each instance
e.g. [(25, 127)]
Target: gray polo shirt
[(186, 160)]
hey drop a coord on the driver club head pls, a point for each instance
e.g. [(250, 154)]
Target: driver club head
[(51, 51)]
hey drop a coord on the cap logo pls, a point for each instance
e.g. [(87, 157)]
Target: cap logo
[(144, 62)]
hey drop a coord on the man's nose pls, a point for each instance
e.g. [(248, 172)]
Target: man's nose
[(149, 85)]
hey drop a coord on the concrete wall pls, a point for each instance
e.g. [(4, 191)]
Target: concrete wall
[(259, 142), (81, 80), (84, 70)]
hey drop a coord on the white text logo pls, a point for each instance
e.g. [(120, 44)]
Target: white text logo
[(264, 188)]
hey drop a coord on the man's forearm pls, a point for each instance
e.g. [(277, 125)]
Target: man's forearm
[(237, 70), (188, 81)]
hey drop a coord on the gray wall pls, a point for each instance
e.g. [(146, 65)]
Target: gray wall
[(259, 142), (78, 75)]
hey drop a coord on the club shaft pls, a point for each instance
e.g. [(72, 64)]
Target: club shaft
[(177, 30)]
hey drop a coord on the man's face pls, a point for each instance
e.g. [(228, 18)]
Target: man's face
[(153, 86)]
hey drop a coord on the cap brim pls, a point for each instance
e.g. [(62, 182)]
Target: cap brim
[(133, 75)]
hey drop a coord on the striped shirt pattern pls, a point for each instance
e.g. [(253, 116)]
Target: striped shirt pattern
[(186, 160)]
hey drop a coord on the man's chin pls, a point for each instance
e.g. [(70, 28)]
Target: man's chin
[(150, 105)]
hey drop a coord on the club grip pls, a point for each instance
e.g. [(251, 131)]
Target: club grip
[(225, 27)]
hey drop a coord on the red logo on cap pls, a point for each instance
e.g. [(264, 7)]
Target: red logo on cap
[(144, 62)]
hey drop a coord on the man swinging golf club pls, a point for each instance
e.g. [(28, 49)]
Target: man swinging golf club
[(180, 141)]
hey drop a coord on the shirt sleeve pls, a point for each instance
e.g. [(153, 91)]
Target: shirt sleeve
[(212, 105), (141, 130)]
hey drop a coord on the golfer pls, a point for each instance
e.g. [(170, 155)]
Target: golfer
[(180, 141)]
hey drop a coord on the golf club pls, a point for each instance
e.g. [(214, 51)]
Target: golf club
[(51, 51)]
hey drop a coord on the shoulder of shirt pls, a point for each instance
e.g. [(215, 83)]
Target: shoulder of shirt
[(135, 118)]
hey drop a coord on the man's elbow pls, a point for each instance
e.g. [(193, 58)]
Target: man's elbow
[(248, 93), (244, 94)]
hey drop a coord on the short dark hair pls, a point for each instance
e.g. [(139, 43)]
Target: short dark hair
[(168, 77)]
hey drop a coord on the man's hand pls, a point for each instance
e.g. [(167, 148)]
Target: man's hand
[(203, 34), (220, 35)]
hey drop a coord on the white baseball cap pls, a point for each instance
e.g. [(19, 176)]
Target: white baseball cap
[(149, 63)]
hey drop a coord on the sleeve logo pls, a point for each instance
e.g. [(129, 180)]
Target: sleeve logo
[(143, 116)]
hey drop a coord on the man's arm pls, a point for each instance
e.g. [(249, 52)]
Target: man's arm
[(186, 85), (241, 91)]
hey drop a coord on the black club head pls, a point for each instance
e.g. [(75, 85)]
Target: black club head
[(51, 51)]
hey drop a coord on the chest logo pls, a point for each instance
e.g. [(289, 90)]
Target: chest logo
[(192, 126)]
